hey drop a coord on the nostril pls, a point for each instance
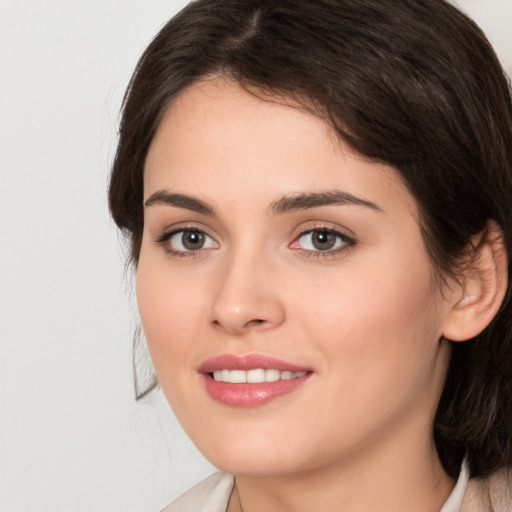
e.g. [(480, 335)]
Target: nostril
[(255, 322)]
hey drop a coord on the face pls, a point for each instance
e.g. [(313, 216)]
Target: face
[(273, 254)]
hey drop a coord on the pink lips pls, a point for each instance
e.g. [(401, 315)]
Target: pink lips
[(249, 395), (249, 362)]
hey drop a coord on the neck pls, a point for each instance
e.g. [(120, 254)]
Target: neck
[(412, 478)]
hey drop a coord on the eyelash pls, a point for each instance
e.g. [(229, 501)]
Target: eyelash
[(165, 237), (347, 242)]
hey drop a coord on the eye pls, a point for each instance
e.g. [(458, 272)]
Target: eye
[(187, 241), (322, 240)]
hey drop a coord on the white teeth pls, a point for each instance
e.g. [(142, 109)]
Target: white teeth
[(256, 376), (272, 375), (237, 376)]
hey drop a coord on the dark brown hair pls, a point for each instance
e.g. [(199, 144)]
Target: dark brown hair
[(412, 83)]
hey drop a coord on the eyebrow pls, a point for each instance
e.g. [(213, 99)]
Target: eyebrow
[(179, 200), (293, 202), (304, 201)]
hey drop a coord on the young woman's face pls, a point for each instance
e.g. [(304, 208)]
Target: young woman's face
[(272, 253)]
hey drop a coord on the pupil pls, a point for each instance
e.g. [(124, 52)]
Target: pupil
[(193, 240), (323, 240)]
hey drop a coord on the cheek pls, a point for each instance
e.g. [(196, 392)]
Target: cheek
[(377, 324), (169, 313)]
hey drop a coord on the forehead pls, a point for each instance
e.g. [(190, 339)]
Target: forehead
[(216, 138)]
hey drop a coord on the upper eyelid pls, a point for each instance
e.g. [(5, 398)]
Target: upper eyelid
[(322, 225), (347, 240), (176, 228)]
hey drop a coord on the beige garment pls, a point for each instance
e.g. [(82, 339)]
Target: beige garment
[(489, 494)]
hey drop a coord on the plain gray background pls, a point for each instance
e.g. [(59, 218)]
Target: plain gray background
[(72, 437)]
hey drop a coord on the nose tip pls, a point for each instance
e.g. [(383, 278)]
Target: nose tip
[(237, 320), (237, 325), (245, 303)]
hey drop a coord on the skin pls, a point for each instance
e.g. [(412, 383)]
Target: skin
[(367, 318)]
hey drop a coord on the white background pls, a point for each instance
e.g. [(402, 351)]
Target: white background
[(72, 437)]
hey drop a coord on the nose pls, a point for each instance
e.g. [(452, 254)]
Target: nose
[(247, 297)]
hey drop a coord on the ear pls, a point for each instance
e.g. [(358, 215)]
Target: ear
[(480, 292)]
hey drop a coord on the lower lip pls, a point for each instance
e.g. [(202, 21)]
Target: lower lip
[(250, 395)]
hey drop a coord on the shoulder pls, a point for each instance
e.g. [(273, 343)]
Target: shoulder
[(492, 493), (210, 495)]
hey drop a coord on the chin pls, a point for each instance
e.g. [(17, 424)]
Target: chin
[(248, 452), (252, 464)]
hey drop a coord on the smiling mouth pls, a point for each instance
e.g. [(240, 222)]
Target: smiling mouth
[(254, 376), (251, 380)]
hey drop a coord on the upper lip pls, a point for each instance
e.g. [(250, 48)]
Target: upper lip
[(248, 362)]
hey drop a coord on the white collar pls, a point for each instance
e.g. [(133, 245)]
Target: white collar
[(454, 501)]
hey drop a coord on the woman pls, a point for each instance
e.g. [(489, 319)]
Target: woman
[(318, 200)]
